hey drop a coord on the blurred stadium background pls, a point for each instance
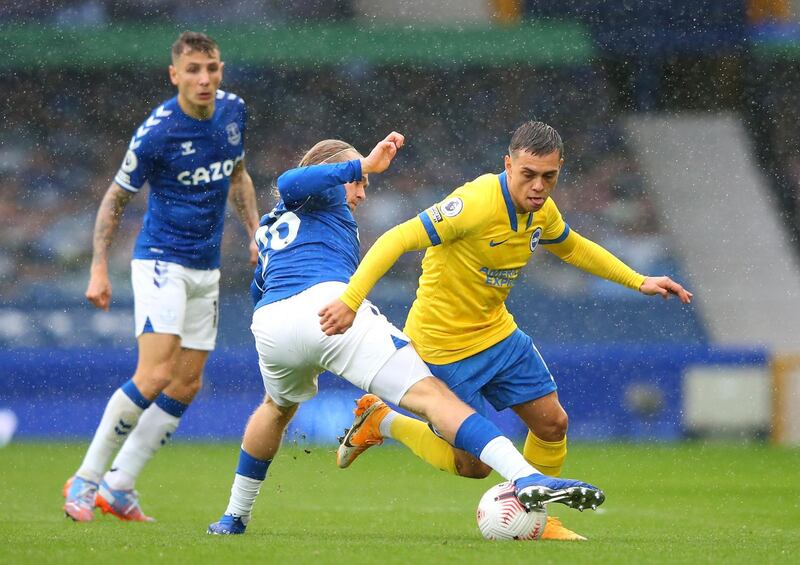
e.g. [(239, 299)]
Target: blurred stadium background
[(682, 128)]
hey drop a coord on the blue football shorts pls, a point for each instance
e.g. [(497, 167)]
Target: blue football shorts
[(508, 373)]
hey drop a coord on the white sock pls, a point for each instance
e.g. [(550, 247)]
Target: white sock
[(120, 417), (243, 496), (119, 480), (154, 430), (501, 455), (386, 424)]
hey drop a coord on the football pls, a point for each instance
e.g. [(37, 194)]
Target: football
[(502, 517)]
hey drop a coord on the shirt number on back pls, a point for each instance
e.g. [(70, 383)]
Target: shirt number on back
[(280, 234)]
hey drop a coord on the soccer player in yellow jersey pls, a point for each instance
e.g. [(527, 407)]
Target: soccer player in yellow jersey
[(478, 239)]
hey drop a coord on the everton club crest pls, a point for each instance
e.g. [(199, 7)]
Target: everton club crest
[(234, 135)]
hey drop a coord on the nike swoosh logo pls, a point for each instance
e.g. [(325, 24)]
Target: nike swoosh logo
[(494, 243)]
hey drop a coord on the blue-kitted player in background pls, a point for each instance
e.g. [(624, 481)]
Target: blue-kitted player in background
[(309, 248), (191, 152)]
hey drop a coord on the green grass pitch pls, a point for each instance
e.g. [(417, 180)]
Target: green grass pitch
[(691, 503)]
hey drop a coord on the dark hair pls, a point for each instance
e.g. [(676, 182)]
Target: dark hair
[(327, 149), (536, 138), (193, 41)]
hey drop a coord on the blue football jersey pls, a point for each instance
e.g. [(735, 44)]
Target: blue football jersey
[(310, 236), (188, 164)]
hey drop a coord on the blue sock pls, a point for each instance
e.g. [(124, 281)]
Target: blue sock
[(481, 438), (251, 467), (132, 391), (170, 405), (475, 433), (250, 473)]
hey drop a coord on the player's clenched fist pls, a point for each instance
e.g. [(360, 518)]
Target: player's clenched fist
[(382, 154), (99, 291)]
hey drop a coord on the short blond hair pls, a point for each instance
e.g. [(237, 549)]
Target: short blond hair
[(327, 151)]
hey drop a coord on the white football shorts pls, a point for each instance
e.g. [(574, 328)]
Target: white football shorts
[(293, 350), (173, 299)]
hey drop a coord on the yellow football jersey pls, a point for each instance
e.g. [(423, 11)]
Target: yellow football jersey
[(480, 245), (477, 245)]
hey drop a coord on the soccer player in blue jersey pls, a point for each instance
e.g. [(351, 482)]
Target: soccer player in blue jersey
[(309, 247), (191, 152), (477, 240)]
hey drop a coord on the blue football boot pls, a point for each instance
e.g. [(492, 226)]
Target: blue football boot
[(227, 525), (534, 491)]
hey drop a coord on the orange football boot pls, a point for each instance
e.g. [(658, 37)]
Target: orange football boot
[(555, 530), (365, 431), (124, 504)]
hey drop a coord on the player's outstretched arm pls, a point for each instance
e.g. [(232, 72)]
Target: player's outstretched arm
[(338, 316), (592, 258), (664, 287), (382, 154), (106, 225), (242, 197)]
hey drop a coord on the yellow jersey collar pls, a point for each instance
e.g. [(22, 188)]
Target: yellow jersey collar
[(512, 211)]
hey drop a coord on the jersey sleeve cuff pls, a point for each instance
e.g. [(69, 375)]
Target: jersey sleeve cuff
[(637, 282), (357, 173), (351, 300), (126, 185)]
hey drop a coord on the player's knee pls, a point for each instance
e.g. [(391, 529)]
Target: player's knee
[(151, 383), (274, 412), (424, 396), (189, 388), (419, 397), (555, 428)]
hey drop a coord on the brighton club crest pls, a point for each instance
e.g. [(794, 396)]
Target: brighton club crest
[(535, 236)]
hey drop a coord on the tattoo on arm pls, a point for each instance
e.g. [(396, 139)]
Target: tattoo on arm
[(107, 222), (243, 198)]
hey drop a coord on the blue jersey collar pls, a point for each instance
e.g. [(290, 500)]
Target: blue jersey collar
[(512, 211), (192, 119)]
